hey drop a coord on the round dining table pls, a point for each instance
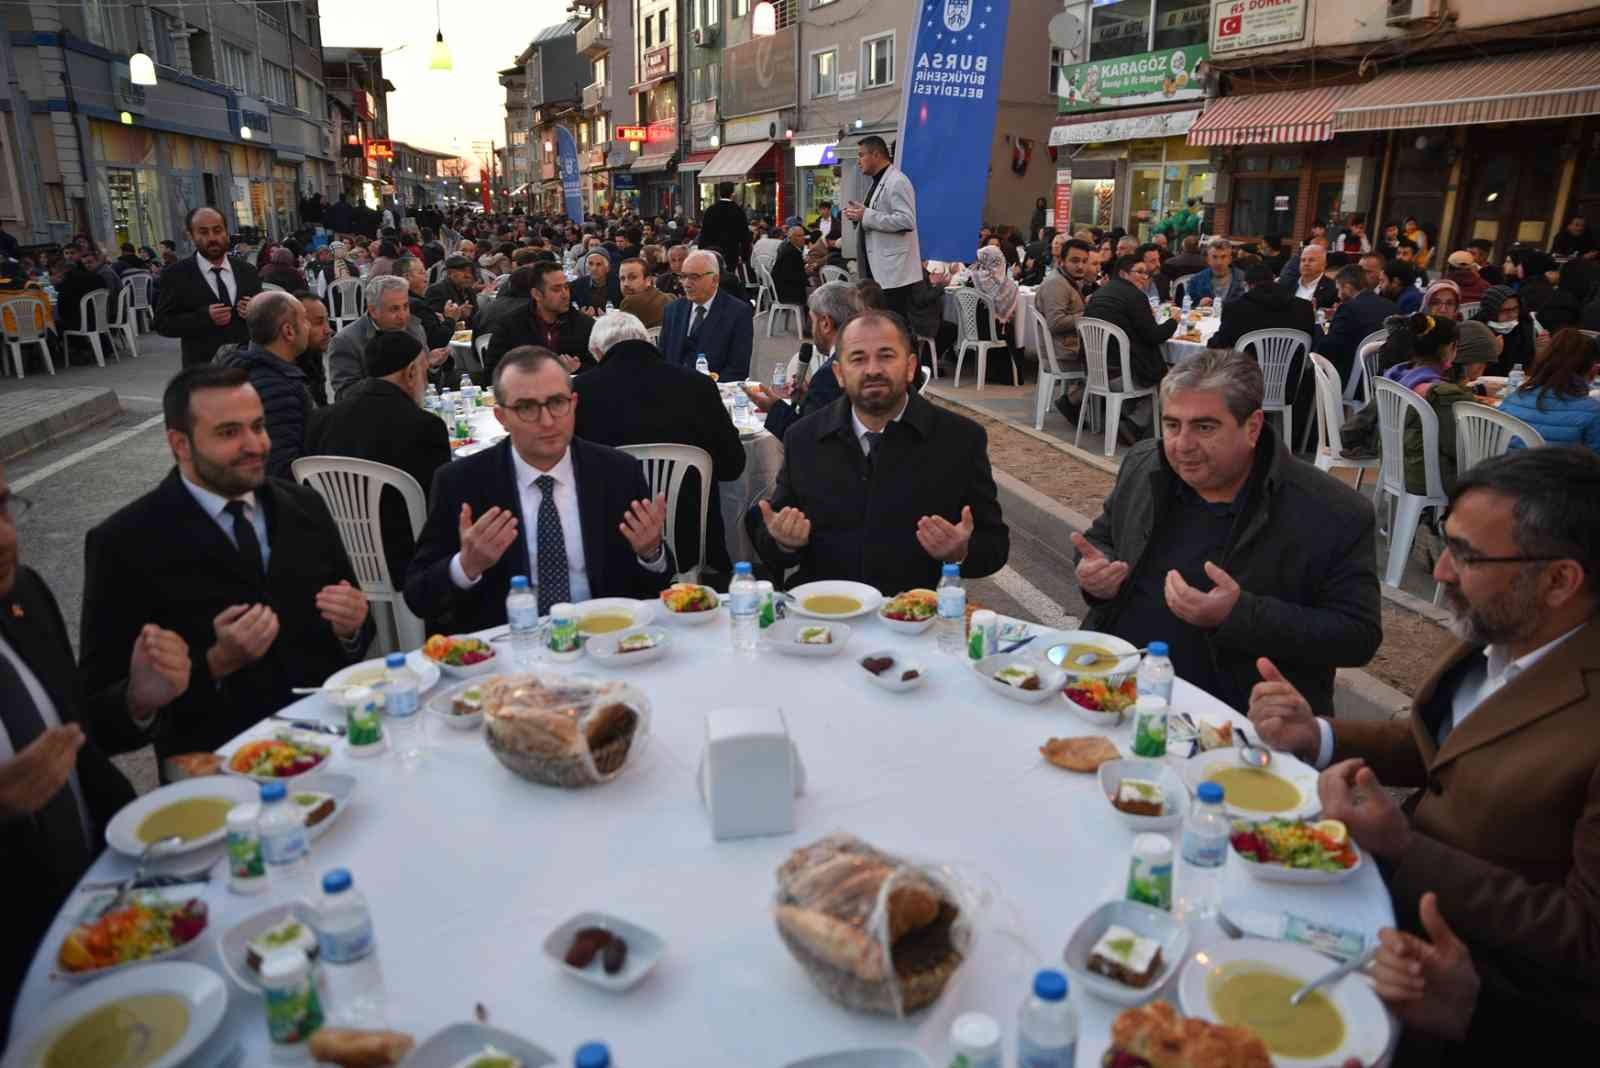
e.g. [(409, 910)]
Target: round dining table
[(467, 867)]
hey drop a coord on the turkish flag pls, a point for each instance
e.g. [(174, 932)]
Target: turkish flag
[(483, 192), (1230, 26)]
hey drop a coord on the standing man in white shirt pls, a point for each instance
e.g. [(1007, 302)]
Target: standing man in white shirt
[(1501, 744), (887, 250), (203, 298)]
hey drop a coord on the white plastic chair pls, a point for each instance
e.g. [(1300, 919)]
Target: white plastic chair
[(967, 301), (344, 302), (123, 324), (271, 287), (1364, 371), (139, 283), (352, 489), (472, 355), (28, 317), (932, 347), (1467, 311), (762, 266), (435, 272), (1394, 401), (1275, 350), (1330, 420), (775, 305), (830, 273), (92, 308), (665, 466), (1050, 372), (1096, 335), (1483, 432)]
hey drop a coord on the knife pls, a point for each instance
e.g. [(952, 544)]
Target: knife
[(311, 725)]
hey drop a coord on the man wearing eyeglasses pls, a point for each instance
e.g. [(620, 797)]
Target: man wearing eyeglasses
[(551, 322), (1501, 745), (575, 517), (1121, 302), (708, 322)]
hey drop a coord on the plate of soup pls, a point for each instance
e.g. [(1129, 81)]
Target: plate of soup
[(1286, 789), (607, 615), (155, 1016), (834, 599), (195, 810), (1247, 983)]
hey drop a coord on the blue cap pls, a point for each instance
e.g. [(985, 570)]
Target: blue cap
[(519, 582), (592, 1055), (1050, 985), (1210, 792), (272, 791), (742, 567), (950, 569), (1158, 648), (395, 660), (336, 880)]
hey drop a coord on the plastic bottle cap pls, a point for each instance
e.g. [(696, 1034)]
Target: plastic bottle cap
[(336, 881), (1210, 793), (592, 1055), (1158, 648), (283, 967), (272, 791), (983, 617), (519, 582), (243, 817), (395, 660), (950, 569), (562, 611), (975, 1031), (1050, 985), (742, 567), (1156, 848)]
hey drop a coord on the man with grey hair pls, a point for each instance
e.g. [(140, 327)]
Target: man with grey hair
[(1220, 543), (598, 287), (817, 383), (278, 332), (388, 308), (1221, 281), (708, 322), (670, 280)]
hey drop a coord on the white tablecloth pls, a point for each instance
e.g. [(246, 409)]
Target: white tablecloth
[(468, 867), (1022, 316), (1177, 351)]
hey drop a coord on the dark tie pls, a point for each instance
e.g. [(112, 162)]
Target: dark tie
[(59, 820), (224, 294), (869, 443), (694, 324), (555, 580), (244, 536)]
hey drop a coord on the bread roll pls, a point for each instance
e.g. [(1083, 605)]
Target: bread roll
[(360, 1049), (843, 945), (1158, 1034)]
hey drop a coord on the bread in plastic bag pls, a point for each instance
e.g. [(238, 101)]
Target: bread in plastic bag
[(874, 932), (563, 730)]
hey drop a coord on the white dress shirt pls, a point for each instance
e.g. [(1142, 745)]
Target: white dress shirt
[(216, 507), (861, 428), (52, 718), (1308, 290), (1480, 681), (206, 267)]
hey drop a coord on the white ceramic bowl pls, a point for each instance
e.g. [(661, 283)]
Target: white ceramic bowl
[(891, 678), (1144, 921), (338, 786), (641, 612), (452, 1046), (1051, 678), (602, 648), (902, 626), (122, 834), (167, 895), (440, 704), (1172, 790), (234, 946), (1298, 774), (1279, 873), (783, 637), (470, 671), (645, 949), (371, 673), (866, 596), (693, 619), (1064, 640), (302, 738), (1366, 1025)]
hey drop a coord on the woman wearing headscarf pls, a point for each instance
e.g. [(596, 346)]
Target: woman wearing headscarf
[(1501, 310), (1442, 300), (992, 279)]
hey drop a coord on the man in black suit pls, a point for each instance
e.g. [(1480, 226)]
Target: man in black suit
[(789, 268), (203, 298), (575, 517), (249, 570), (57, 789), (635, 397), (81, 279), (1264, 306), (726, 228), (1361, 312), (438, 324), (1312, 283), (830, 307), (551, 322), (381, 419), (882, 486), (455, 296)]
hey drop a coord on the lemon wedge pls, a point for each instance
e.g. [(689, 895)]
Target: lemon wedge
[(1332, 830)]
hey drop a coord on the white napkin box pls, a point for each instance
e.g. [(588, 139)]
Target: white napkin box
[(750, 773)]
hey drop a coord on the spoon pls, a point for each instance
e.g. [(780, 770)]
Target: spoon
[(1250, 754), (1089, 659), (1333, 976), (159, 848)]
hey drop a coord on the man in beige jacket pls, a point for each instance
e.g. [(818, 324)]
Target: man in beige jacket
[(1060, 300)]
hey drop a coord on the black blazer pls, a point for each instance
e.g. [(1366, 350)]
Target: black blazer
[(864, 525), (821, 391), (725, 227), (1264, 307), (585, 294), (162, 560), (789, 275), (727, 336), (517, 329), (1325, 296), (377, 421), (31, 622), (1355, 319), (1118, 302), (608, 483), (182, 304)]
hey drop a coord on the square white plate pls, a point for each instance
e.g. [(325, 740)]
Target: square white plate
[(644, 950), (448, 1048), (1144, 921), (234, 945), (783, 637)]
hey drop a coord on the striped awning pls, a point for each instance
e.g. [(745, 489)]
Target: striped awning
[(1288, 118), (1559, 83)]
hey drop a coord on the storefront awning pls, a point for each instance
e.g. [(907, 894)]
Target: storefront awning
[(651, 164), (1122, 125), (1535, 86), (735, 161), (1293, 117), (696, 161)]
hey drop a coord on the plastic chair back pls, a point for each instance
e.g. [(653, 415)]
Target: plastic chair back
[(1275, 350), (23, 319), (1330, 406), (1467, 311), (1046, 344), (92, 310), (665, 466), (1364, 371), (352, 489), (1096, 336), (967, 301), (271, 287), (139, 283), (344, 299), (830, 273), (1394, 401), (1483, 432)]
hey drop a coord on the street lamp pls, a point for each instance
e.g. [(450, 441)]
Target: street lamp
[(141, 68), (764, 20), (244, 133), (440, 59)]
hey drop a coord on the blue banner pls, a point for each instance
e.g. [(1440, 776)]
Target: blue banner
[(947, 122), (567, 154)]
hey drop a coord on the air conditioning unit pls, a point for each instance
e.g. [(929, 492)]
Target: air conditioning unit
[(1402, 11), (705, 36)]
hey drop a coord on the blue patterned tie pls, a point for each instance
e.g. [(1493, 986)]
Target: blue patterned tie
[(555, 580)]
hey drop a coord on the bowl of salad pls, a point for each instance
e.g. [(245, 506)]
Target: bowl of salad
[(911, 612), (459, 655), (148, 926), (1296, 851), (689, 603), (283, 756)]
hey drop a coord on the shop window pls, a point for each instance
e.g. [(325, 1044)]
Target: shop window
[(1253, 165), (877, 61), (1264, 206), (1058, 59), (823, 67), (1287, 163), (1181, 23), (1119, 29)]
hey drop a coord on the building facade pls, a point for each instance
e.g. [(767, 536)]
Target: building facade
[(360, 94), (554, 77)]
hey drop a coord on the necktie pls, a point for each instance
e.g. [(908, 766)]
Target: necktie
[(870, 442), (694, 324), (555, 585), (59, 820), (244, 536), (224, 294)]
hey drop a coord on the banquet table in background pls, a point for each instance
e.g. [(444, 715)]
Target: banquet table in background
[(1176, 351), (468, 867)]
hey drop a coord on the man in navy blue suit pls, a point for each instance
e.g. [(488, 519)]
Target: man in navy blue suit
[(709, 322)]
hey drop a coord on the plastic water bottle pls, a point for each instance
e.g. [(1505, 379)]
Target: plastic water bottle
[(744, 604), (348, 952), (1188, 305), (284, 842), (402, 718), (952, 612), (741, 407), (1515, 379), (702, 364), (610, 307), (780, 379), (1047, 1026), (522, 612), (430, 399), (1205, 848), (1156, 673), (592, 1055)]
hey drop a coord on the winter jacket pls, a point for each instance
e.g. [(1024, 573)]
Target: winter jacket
[(284, 399), (1560, 420)]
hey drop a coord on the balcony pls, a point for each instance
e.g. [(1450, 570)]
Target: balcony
[(594, 39), (594, 95)]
